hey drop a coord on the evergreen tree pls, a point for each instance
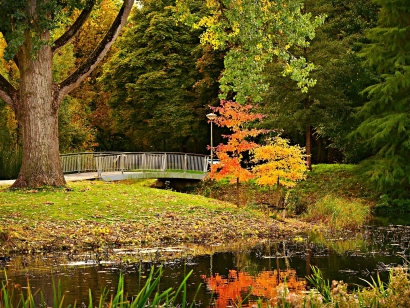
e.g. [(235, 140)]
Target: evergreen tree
[(386, 125)]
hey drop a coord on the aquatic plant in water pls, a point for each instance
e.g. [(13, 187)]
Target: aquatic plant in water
[(148, 296)]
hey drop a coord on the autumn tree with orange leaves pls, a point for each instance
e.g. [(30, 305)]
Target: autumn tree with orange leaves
[(276, 164), (237, 117)]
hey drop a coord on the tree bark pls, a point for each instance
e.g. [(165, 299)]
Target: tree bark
[(38, 119), (38, 99), (238, 194), (309, 147)]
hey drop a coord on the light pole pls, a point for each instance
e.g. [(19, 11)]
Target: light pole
[(211, 117)]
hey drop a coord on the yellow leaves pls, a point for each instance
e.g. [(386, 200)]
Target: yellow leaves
[(277, 163), (235, 29), (212, 4), (288, 69), (281, 163)]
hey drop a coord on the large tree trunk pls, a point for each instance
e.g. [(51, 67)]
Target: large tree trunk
[(38, 99), (38, 120)]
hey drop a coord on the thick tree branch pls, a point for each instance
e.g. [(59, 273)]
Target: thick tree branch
[(75, 27), (8, 93), (96, 56)]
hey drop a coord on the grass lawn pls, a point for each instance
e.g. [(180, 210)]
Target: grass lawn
[(100, 214)]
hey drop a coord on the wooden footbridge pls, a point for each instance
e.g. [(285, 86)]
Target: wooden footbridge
[(111, 166)]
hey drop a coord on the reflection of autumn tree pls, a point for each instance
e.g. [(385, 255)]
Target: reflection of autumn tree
[(267, 284)]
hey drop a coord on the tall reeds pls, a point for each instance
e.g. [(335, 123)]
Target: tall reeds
[(148, 296), (338, 214)]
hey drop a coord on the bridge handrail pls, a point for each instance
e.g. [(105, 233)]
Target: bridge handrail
[(133, 161)]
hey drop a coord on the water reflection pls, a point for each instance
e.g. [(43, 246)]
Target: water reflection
[(374, 250), (240, 289)]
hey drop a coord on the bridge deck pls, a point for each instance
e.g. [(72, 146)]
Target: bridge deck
[(112, 166), (151, 175)]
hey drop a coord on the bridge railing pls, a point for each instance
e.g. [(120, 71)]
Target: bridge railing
[(133, 161)]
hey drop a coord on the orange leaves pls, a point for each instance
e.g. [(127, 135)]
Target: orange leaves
[(235, 116), (281, 163), (230, 167), (267, 284), (277, 162)]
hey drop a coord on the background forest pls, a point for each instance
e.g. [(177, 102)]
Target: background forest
[(155, 87)]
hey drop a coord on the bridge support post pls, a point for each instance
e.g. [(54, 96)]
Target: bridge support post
[(164, 163), (78, 163), (99, 165), (205, 164), (144, 162), (122, 162)]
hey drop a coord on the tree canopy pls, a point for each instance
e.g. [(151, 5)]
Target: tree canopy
[(254, 33), (152, 79)]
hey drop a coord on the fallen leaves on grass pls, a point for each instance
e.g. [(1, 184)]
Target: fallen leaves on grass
[(127, 214)]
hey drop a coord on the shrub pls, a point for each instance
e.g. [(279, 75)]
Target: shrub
[(337, 213)]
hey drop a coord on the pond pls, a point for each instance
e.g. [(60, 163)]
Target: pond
[(353, 259)]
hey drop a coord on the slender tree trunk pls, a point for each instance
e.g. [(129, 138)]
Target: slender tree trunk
[(38, 119), (238, 196), (309, 147)]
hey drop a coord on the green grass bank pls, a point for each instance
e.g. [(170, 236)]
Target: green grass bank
[(338, 197), (96, 214)]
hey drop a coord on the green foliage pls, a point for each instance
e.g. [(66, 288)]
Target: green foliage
[(320, 284), (10, 150), (17, 19), (75, 133), (254, 34), (388, 204), (152, 80), (328, 107), (385, 127), (10, 162)]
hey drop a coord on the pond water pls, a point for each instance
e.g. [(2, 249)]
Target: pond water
[(374, 250)]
